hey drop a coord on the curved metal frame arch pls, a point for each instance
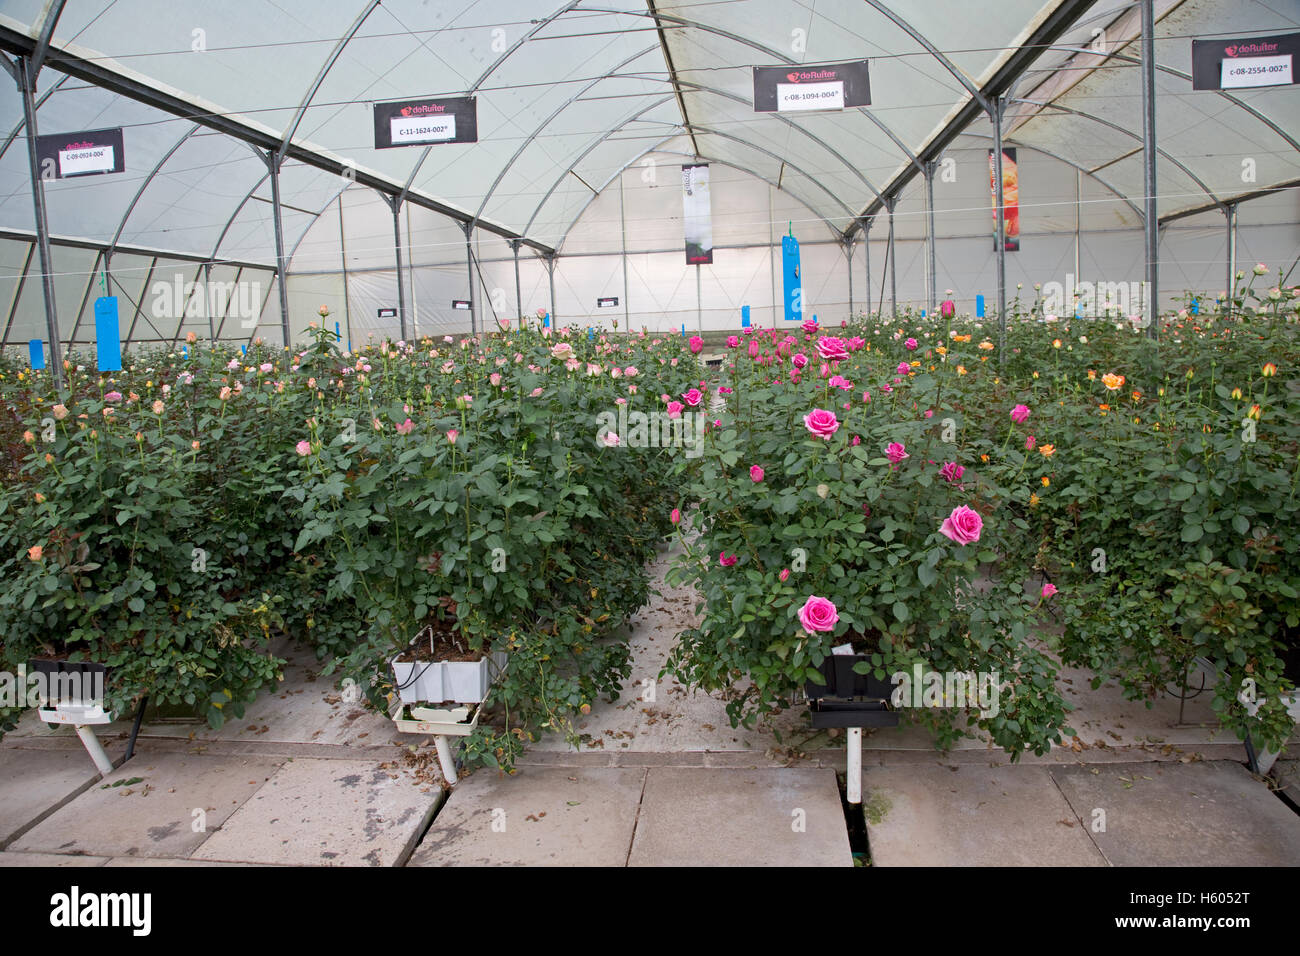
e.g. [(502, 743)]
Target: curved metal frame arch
[(785, 119), (121, 226), (934, 51), (545, 123), (320, 78), (775, 54), (546, 21), (1188, 77), (587, 152), (18, 127), (1120, 129), (672, 152)]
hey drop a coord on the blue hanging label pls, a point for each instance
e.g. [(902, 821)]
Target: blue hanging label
[(791, 282), (108, 335), (744, 316), (979, 306), (36, 350)]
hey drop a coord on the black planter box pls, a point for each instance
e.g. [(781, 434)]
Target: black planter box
[(81, 673), (849, 699)]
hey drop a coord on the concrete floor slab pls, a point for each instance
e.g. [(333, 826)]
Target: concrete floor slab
[(950, 815), (1196, 814), (541, 816), (153, 817), (779, 816), (316, 812), (1287, 774), (33, 782), (13, 858)]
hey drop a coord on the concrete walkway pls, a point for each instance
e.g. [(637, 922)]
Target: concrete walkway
[(661, 778)]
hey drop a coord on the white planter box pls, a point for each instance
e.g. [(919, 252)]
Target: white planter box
[(465, 682)]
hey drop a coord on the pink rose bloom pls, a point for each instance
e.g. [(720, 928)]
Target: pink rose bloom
[(818, 614), (631, 371), (113, 397), (610, 439), (903, 368), (495, 378), (1030, 442), (303, 448), (962, 526), (753, 348), (732, 341), (929, 413), (896, 452), (727, 560), (866, 397), (675, 409), (675, 516), (692, 397), (535, 392), (839, 381), (561, 350), (832, 349), (755, 473), (821, 423), (406, 427), (1049, 589), (910, 344), (1019, 413), (857, 440), (696, 343), (809, 326), (785, 574), (947, 308), (265, 367), (452, 435), (951, 472), (799, 360)]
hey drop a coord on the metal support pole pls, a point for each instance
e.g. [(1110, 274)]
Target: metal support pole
[(519, 298), (469, 273), (207, 296), (1151, 216), (866, 254), (1078, 229), (893, 270), (343, 259), (1231, 288), (410, 275), (1000, 235), (848, 252), (395, 204), (622, 218), (932, 277), (27, 84), (550, 271), (273, 165)]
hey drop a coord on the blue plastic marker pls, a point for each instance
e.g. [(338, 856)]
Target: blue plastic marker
[(546, 321), (337, 336), (923, 313), (185, 351), (591, 333), (744, 316), (683, 330), (245, 349), (1196, 307), (108, 335), (36, 351), (979, 305)]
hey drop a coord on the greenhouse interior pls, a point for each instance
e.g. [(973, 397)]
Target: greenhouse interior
[(651, 433)]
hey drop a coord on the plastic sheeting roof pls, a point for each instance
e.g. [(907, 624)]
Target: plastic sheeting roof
[(571, 93)]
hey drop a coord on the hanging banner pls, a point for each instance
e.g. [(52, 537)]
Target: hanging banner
[(831, 86), (696, 215), (423, 122), (1010, 198), (91, 153), (1245, 62)]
